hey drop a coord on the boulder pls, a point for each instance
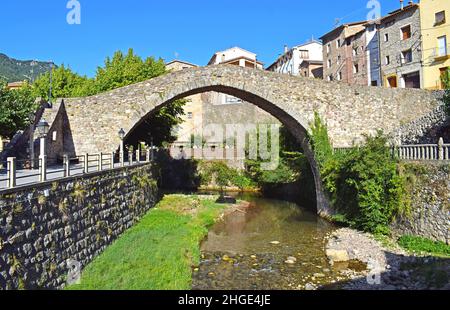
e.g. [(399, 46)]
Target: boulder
[(337, 255)]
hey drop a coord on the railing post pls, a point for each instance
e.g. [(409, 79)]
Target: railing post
[(86, 163), (441, 148), (138, 156), (66, 164), (147, 155), (43, 168), (130, 158), (11, 171), (111, 163), (100, 161)]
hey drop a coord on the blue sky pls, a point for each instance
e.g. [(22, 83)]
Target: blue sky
[(194, 29)]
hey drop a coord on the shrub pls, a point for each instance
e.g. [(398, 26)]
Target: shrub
[(364, 184)]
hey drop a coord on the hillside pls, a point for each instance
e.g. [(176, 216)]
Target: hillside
[(13, 70)]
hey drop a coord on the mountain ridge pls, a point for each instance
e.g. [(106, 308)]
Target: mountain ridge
[(14, 70)]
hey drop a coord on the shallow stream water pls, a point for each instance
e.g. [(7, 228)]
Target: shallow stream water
[(274, 245)]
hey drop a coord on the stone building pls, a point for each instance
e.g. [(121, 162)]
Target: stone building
[(400, 48), (344, 54), (304, 60), (435, 26), (193, 109)]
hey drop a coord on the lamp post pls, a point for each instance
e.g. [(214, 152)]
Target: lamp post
[(121, 151), (42, 129)]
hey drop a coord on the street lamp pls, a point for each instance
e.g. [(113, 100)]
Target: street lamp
[(42, 129), (122, 155)]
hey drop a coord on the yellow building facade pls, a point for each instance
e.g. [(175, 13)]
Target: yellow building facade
[(435, 28)]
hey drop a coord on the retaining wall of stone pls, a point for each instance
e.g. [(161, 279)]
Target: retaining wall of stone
[(430, 209), (49, 228)]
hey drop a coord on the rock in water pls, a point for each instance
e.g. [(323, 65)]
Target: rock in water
[(337, 255), (275, 242), (291, 260)]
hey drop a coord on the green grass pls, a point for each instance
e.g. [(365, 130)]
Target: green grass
[(157, 253), (422, 245)]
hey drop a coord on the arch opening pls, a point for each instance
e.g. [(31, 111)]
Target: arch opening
[(298, 130)]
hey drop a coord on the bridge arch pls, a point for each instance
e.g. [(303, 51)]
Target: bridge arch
[(294, 123)]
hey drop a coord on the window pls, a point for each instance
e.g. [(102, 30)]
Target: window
[(439, 18), (355, 68), (406, 32), (387, 60), (340, 76), (442, 46), (407, 57), (54, 136), (374, 83), (355, 51), (386, 37), (328, 48), (329, 63), (338, 43), (339, 59), (190, 115), (330, 78)]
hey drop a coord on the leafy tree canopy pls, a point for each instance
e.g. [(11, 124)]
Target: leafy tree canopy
[(16, 107), (118, 71)]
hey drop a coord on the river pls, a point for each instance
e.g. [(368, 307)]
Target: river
[(274, 245)]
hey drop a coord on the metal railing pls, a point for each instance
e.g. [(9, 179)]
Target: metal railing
[(419, 152), (439, 151), (12, 176)]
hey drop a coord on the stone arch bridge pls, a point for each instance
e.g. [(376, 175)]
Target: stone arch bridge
[(350, 111)]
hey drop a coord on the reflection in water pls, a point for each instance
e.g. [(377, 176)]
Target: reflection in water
[(249, 250)]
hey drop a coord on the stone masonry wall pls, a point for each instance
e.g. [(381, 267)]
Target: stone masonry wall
[(44, 227), (427, 129), (430, 210)]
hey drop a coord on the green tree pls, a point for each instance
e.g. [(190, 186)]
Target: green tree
[(121, 70), (65, 84), (16, 106)]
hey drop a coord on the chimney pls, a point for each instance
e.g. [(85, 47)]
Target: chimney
[(401, 4), (286, 49)]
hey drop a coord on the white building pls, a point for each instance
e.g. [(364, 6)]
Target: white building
[(373, 54), (236, 56), (305, 60), (233, 56)]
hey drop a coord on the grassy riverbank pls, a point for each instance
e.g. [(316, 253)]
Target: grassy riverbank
[(157, 253)]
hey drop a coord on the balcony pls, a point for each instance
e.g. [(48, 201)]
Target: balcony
[(441, 53)]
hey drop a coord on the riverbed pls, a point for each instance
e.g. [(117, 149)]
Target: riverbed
[(273, 245)]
